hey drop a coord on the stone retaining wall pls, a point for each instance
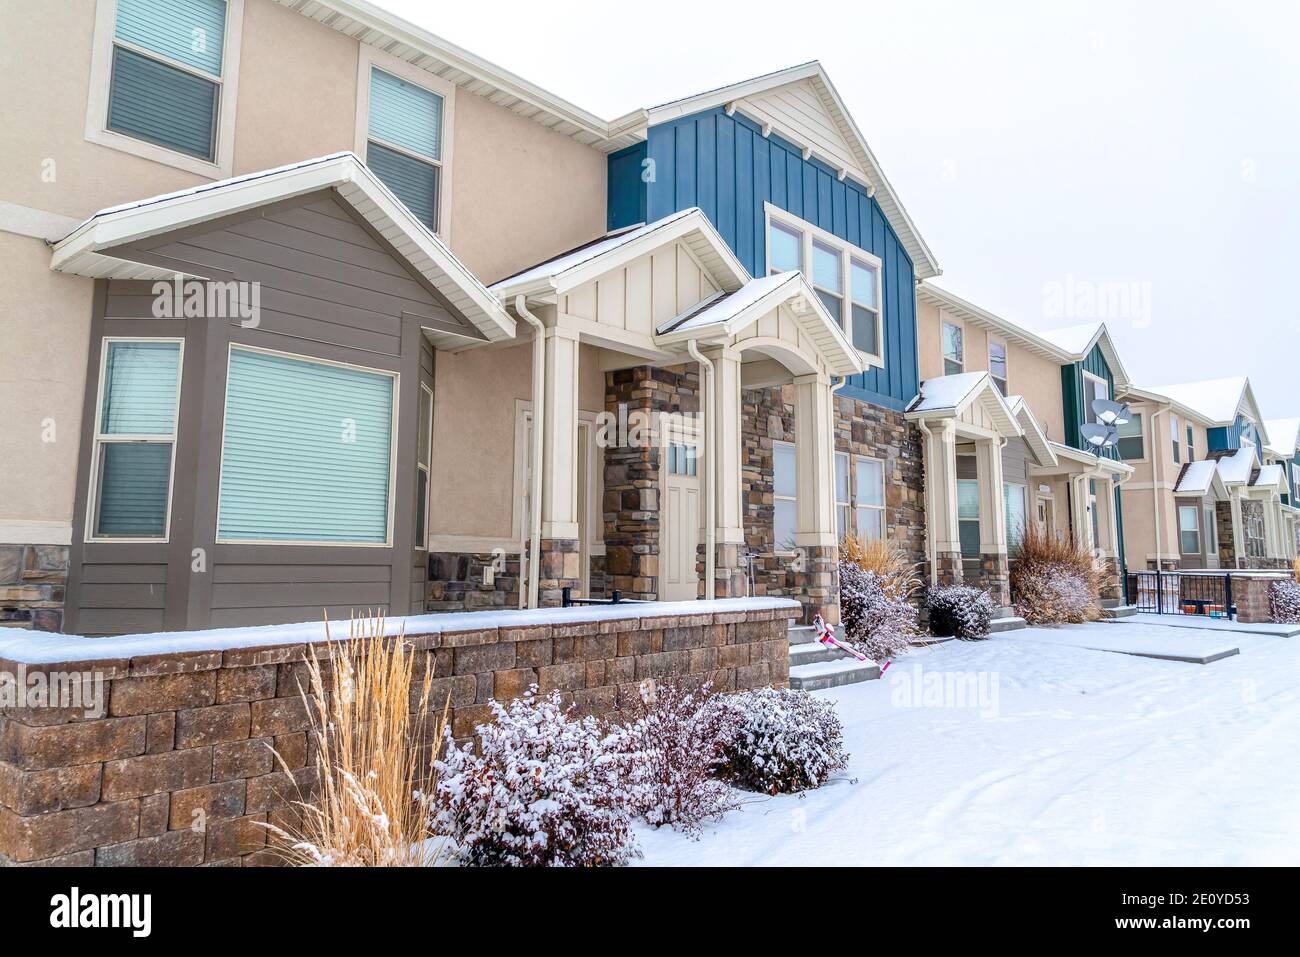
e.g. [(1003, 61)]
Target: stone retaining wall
[(177, 768)]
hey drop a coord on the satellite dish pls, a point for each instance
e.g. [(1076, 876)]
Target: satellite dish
[(1099, 436), (1110, 413)]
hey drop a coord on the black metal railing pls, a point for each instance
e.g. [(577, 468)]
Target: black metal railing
[(1205, 593), (615, 598)]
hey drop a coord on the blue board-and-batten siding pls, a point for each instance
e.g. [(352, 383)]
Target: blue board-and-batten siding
[(725, 166)]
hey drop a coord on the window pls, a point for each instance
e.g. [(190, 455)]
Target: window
[(953, 361), (1131, 447), (845, 278), (423, 462), (1189, 532), (1254, 522), (869, 498), (998, 365), (843, 501), (1211, 532), (785, 516), (135, 439), (405, 142), (682, 459), (1014, 499), (1191, 444), (968, 517), (1173, 431), (166, 71), (1094, 389), (306, 451)]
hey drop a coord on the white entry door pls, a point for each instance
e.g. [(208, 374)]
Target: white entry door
[(680, 517)]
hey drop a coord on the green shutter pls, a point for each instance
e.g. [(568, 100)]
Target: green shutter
[(413, 182), (186, 31), (140, 388), (152, 101), (306, 451), (405, 115)]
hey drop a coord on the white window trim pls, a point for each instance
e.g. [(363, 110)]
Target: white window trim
[(943, 355), (372, 58), (1006, 361), (1088, 376), (1144, 458), (1175, 426), (810, 233), (101, 77), (854, 498), (393, 438), (425, 467), (99, 439), (1200, 541)]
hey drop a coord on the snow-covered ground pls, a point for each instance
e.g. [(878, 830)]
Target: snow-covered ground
[(1053, 754)]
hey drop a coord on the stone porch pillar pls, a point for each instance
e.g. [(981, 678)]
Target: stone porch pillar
[(941, 476), (816, 569), (560, 555), (994, 564)]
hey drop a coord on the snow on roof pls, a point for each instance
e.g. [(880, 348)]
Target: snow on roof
[(1197, 477), (1235, 469), (44, 648), (1270, 476), (946, 392), (1284, 436), (719, 310), (1075, 340), (1216, 399)]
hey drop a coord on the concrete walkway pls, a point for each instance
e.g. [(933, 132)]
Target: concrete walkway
[(1203, 623)]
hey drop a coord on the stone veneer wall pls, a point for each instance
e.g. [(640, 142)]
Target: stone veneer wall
[(33, 582), (632, 475), (181, 770), (456, 582), (1228, 545)]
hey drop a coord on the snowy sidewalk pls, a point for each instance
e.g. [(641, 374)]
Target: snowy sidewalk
[(1068, 756), (1143, 639)]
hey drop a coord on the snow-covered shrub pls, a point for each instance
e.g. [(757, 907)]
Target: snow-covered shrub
[(542, 791), (1054, 581), (668, 754), (778, 740), (1284, 602), (960, 611), (877, 621)]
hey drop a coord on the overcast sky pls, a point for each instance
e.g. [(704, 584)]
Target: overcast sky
[(1047, 151)]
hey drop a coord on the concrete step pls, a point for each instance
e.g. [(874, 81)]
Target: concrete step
[(832, 674), (1118, 611), (1007, 623), (814, 651), (802, 634)]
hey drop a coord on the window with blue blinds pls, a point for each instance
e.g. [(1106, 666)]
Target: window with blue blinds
[(307, 451), (405, 142), (167, 68), (135, 435)]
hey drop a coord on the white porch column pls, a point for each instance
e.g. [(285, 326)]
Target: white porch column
[(1079, 498), (993, 523), (723, 446), (1238, 529), (1106, 519), (560, 466), (814, 461), (941, 476)]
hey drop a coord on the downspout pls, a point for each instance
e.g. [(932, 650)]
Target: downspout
[(929, 511), (1155, 481), (710, 474), (535, 483)]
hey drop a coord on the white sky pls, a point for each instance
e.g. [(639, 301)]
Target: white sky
[(1041, 147)]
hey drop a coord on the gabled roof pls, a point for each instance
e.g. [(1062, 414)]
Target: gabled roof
[(1035, 437), (1284, 435), (727, 314), (951, 395), (557, 275), (89, 250), (1235, 466), (1078, 341), (842, 122), (1182, 411), (1200, 478), (1271, 477), (1217, 400)]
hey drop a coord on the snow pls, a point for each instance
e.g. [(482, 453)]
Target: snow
[(1236, 468), (1073, 757), (1204, 623), (1152, 641), (946, 392), (48, 648), (1270, 476), (1075, 340), (728, 307), (1216, 399), (1284, 436), (1197, 477)]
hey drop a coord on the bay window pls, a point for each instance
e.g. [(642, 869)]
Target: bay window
[(1014, 499), (1189, 530), (968, 517)]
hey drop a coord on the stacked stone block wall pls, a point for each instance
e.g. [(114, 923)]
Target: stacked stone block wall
[(33, 583)]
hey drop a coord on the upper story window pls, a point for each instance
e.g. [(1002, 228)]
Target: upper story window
[(404, 148), (953, 350), (1191, 444), (162, 81), (1094, 388), (1131, 447), (845, 278), (998, 365), (1173, 431)]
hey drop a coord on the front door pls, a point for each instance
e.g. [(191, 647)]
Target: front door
[(681, 518)]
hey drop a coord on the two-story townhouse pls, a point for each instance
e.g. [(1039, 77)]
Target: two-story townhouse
[(1283, 449), (257, 371), (1205, 496), (1002, 408)]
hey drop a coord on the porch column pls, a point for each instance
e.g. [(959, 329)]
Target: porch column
[(720, 469), (1081, 510), (941, 478), (816, 569), (1238, 527), (994, 567), (559, 543), (1108, 524)]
